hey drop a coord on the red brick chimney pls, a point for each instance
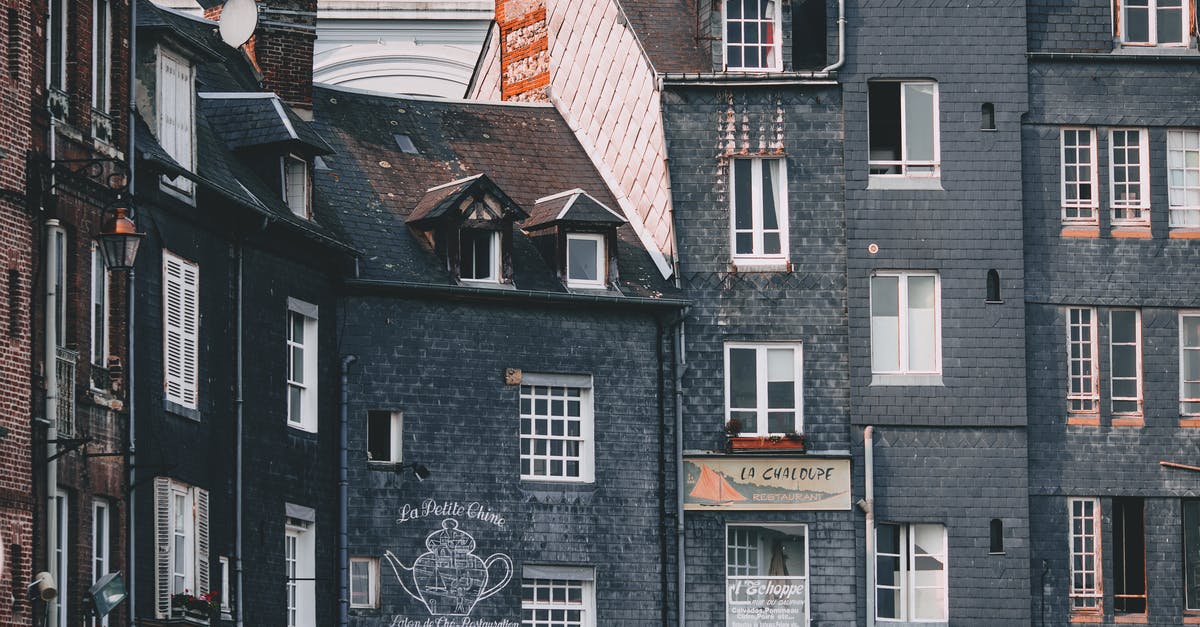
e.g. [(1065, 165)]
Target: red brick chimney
[(524, 50), (282, 47)]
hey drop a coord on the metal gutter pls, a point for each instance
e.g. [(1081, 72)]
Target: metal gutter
[(747, 79), (343, 540), (492, 294), (1116, 57)]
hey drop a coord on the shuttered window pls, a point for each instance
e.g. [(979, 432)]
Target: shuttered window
[(175, 114), (181, 563), (181, 329)]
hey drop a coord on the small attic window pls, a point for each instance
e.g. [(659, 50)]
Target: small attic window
[(586, 260), (479, 255), (406, 144), (295, 185)]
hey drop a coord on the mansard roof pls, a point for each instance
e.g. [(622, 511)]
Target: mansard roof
[(259, 119)]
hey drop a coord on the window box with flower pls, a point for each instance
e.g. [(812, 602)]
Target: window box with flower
[(194, 610)]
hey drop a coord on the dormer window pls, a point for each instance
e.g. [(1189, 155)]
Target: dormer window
[(479, 255), (296, 185), (752, 41), (176, 113), (586, 260)]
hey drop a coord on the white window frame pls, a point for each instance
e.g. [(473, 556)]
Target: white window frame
[(762, 411), (60, 285), (62, 558), (395, 437), (1085, 599), (493, 261), (99, 300), (288, 167), (1138, 210), (1184, 349), (1181, 143), (101, 56), (300, 569), (308, 383), (586, 604), (1078, 211), (372, 582), (744, 575), (907, 560), (226, 606), (58, 83), (536, 388), (180, 146), (1083, 402), (180, 521), (757, 256), (776, 47), (903, 322), (101, 546), (182, 277), (904, 163), (601, 261), (1137, 346), (1151, 7)]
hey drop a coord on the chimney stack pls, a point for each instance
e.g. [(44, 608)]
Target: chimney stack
[(524, 50), (282, 47)]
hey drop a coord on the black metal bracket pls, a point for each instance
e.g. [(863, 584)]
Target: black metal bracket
[(106, 179), (66, 445)]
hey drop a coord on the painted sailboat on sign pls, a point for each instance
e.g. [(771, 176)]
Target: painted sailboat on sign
[(713, 488)]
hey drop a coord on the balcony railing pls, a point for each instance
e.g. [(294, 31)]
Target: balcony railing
[(65, 373)]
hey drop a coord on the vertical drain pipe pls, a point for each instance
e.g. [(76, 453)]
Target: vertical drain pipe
[(343, 546), (868, 506), (239, 401), (50, 371), (680, 530)]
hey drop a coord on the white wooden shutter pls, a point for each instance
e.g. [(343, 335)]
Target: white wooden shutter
[(181, 329), (176, 112), (162, 547), (202, 565)]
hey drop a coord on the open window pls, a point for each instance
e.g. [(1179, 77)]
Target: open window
[(296, 185), (903, 128)]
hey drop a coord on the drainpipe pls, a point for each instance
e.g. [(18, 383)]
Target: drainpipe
[(665, 577), (50, 370), (131, 155), (680, 531), (868, 506), (237, 486), (841, 38), (344, 497)]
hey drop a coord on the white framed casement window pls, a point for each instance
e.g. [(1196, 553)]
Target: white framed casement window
[(1153, 22), (587, 260), (1125, 359), (1130, 596), (299, 552), (1078, 176), (1189, 363), (911, 573), (1191, 554), (479, 255), (364, 582), (101, 547), (101, 56), (1129, 176), (1183, 178), (764, 387), (758, 211), (766, 573), (558, 596), (181, 329), (752, 36), (1083, 534), (557, 441), (60, 285), (59, 610), (1083, 389), (226, 605), (99, 309), (384, 429), (302, 379), (176, 116), (903, 129), (57, 15), (906, 314), (181, 560), (296, 188)]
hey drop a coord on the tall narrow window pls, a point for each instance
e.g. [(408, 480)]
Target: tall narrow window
[(99, 309), (295, 185), (1129, 559), (1125, 353), (911, 578), (56, 44), (176, 114), (181, 560), (383, 436), (479, 255), (996, 537), (1154, 22), (1078, 156), (903, 128), (101, 55), (766, 574), (987, 117), (181, 329), (1129, 177), (1086, 593), (60, 286), (905, 323), (1082, 393), (299, 553), (752, 35), (1189, 363), (993, 286), (763, 388), (1183, 177), (364, 582), (62, 559), (1191, 554), (302, 384), (100, 547), (759, 210), (556, 428), (226, 606)]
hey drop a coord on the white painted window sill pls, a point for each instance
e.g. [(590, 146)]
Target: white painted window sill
[(906, 379), (892, 181), (761, 265)]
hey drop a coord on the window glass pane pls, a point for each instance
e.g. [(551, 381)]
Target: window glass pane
[(581, 259), (1191, 331), (929, 604), (885, 299), (743, 206), (919, 121), (1191, 554), (781, 395), (743, 391), (1137, 21), (929, 539), (769, 179), (780, 366), (884, 121), (1170, 22)]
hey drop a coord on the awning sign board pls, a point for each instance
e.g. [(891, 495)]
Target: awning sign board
[(746, 483)]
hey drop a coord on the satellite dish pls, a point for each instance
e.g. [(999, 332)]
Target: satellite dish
[(239, 18)]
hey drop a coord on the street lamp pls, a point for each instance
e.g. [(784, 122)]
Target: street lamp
[(119, 241)]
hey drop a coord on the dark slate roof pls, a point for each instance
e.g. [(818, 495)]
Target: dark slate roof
[(373, 186), (667, 31), (437, 201), (572, 206), (261, 121)]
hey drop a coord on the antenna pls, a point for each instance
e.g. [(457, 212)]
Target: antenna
[(239, 18)]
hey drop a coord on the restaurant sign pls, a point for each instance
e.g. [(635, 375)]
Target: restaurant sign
[(751, 483)]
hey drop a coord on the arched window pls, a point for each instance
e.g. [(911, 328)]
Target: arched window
[(993, 286)]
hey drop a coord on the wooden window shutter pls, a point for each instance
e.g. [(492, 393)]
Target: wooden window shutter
[(175, 113), (162, 547), (181, 322), (202, 565)]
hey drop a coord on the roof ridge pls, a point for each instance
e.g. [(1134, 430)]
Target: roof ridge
[(380, 94)]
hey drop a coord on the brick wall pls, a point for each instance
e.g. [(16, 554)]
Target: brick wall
[(286, 32), (524, 50)]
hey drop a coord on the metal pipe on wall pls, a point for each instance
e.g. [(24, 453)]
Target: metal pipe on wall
[(343, 547), (238, 488), (868, 506), (841, 39), (131, 153), (50, 372), (680, 530)]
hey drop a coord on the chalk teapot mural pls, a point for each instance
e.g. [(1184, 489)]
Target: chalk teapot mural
[(449, 578)]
